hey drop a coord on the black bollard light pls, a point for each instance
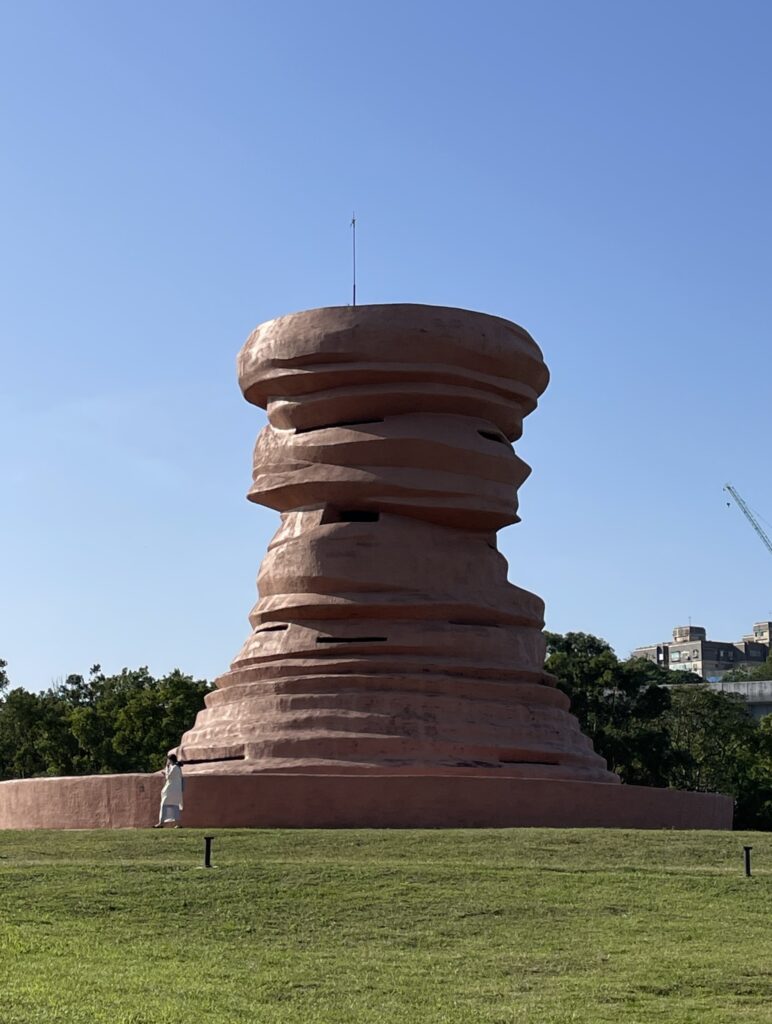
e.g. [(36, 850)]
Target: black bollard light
[(208, 840), (747, 850)]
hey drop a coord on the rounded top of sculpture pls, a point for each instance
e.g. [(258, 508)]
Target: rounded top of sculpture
[(393, 348)]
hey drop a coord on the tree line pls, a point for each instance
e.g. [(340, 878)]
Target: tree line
[(654, 727), (97, 724)]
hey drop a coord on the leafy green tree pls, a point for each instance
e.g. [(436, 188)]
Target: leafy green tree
[(20, 729), (761, 778), (34, 735), (155, 717), (723, 749), (128, 721), (99, 724), (619, 704)]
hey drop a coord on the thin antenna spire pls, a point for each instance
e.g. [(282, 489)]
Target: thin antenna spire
[(354, 257)]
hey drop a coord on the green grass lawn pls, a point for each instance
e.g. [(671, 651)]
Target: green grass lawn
[(338, 927)]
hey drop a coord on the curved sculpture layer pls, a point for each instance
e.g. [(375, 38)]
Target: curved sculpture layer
[(386, 637)]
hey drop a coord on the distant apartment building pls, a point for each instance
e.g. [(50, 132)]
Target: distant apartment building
[(691, 651), (760, 633)]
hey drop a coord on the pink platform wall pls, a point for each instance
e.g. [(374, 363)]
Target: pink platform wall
[(356, 801)]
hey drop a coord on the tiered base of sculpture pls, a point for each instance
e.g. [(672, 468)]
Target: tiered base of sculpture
[(474, 799)]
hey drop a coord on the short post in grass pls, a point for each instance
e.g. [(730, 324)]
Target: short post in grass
[(208, 840), (747, 851)]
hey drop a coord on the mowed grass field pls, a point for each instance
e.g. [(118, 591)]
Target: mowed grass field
[(338, 927)]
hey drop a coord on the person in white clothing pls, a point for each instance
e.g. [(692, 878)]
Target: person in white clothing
[(171, 794)]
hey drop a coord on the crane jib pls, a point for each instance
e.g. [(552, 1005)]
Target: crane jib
[(739, 501)]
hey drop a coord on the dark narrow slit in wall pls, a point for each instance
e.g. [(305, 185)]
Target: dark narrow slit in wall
[(491, 436), (349, 515), (351, 639), (525, 760), (214, 760), (359, 516), (271, 629), (340, 423)]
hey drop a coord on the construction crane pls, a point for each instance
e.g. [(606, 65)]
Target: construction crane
[(749, 516)]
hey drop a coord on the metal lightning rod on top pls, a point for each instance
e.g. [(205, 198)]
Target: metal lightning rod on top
[(354, 257)]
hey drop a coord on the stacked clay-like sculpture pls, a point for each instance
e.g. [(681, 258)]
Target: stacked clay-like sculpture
[(386, 637)]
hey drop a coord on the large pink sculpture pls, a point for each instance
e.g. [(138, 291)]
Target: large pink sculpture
[(386, 636)]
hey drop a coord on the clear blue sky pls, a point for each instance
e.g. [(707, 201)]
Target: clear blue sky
[(171, 174)]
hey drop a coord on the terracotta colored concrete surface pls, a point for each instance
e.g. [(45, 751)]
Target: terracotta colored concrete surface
[(386, 635), (469, 800), (91, 801)]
